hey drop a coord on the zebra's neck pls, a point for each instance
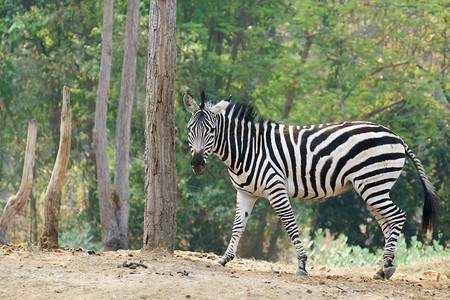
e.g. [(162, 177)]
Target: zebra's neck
[(236, 140)]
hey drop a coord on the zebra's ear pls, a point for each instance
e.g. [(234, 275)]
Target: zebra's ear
[(219, 106), (189, 103)]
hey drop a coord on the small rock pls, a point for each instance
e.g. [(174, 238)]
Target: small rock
[(184, 273)]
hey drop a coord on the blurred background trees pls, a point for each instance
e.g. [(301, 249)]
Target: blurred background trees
[(299, 62)]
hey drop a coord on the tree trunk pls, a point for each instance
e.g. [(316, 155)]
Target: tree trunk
[(121, 159), (49, 238), (17, 202), (315, 224), (33, 220), (110, 230), (90, 159), (160, 174), (291, 93), (272, 250)]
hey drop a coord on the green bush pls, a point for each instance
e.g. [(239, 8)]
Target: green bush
[(79, 237), (338, 253)]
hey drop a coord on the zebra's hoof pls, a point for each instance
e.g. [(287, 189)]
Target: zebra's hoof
[(388, 269), (385, 272), (379, 275), (388, 272), (221, 262), (301, 272)]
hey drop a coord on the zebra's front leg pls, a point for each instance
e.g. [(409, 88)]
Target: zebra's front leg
[(244, 206), (280, 202)]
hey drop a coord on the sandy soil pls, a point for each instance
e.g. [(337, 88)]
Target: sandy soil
[(68, 274)]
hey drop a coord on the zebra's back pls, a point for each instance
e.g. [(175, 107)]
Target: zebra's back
[(324, 160)]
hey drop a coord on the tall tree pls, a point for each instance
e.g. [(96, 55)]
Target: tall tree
[(114, 214), (110, 230), (121, 159), (160, 173)]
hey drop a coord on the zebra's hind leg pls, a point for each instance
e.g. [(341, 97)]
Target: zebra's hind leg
[(244, 206), (396, 219), (280, 202), (391, 219)]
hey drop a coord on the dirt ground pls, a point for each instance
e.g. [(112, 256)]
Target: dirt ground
[(28, 273)]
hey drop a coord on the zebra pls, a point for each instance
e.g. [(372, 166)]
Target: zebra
[(277, 161)]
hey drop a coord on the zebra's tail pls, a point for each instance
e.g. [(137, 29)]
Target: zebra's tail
[(430, 206)]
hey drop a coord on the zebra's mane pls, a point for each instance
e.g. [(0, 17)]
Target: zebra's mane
[(241, 111), (244, 112)]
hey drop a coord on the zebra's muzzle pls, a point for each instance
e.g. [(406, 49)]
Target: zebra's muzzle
[(198, 163)]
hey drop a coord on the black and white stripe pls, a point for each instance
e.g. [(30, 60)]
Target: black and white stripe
[(278, 161)]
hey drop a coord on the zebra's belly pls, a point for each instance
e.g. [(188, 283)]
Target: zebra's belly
[(247, 182), (301, 193), (261, 186)]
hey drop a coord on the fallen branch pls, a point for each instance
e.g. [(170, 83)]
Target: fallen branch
[(133, 265)]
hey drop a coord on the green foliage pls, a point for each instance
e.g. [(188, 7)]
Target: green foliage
[(339, 253), (205, 210), (79, 237), (363, 57)]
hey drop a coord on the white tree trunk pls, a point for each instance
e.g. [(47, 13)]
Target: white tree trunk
[(160, 174), (17, 202), (121, 158), (107, 218)]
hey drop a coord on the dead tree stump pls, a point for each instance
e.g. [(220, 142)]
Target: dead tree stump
[(49, 238), (17, 202)]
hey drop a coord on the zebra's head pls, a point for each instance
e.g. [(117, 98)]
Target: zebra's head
[(202, 129)]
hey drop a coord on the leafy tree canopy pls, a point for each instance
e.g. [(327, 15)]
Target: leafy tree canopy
[(332, 60)]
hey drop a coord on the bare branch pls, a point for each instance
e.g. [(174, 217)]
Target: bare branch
[(390, 65), (381, 109)]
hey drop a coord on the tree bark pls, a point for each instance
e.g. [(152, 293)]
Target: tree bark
[(272, 250), (121, 158), (17, 202), (291, 93), (90, 159), (160, 174), (33, 220), (49, 238), (110, 230), (253, 245), (315, 221)]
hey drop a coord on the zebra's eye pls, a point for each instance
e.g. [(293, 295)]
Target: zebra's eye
[(211, 130)]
